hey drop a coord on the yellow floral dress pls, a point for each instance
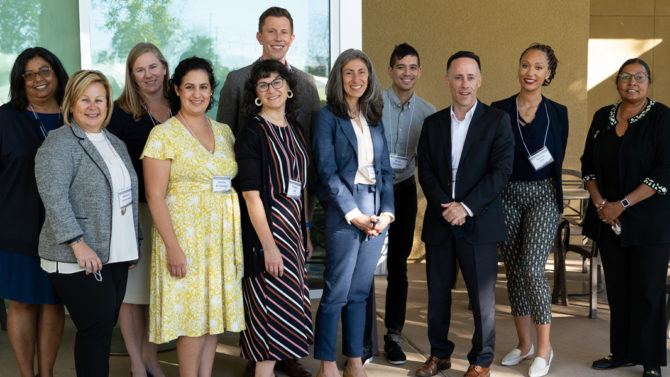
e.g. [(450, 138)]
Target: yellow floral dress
[(207, 224)]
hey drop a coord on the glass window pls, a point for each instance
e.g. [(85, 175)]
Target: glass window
[(221, 31), (53, 25)]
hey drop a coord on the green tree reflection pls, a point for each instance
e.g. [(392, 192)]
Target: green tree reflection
[(133, 21)]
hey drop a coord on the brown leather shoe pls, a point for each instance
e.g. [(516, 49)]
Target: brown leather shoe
[(250, 369), (432, 366), (292, 368), (478, 371)]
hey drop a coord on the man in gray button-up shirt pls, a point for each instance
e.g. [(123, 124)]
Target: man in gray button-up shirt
[(403, 116)]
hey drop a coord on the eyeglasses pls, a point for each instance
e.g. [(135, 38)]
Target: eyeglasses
[(639, 77), (44, 72), (277, 83)]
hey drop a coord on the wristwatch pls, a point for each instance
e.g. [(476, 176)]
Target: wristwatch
[(625, 203)]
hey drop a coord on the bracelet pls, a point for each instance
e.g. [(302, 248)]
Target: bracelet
[(76, 241), (602, 205), (308, 224)]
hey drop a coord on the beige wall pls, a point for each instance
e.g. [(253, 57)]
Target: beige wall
[(498, 31), (633, 21)]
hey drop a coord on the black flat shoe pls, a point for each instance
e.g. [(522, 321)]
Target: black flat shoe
[(610, 362), (651, 372)]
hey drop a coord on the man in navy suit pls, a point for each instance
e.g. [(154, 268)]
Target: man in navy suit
[(465, 157)]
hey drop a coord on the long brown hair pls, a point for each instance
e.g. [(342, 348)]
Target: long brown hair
[(130, 99)]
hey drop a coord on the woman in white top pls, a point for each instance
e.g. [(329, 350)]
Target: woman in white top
[(90, 236)]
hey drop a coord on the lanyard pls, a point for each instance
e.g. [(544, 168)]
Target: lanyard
[(286, 149), (409, 126), (544, 144), (153, 121), (43, 129)]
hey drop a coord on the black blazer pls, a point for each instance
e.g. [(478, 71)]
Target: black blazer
[(558, 122), (644, 157), (21, 211), (484, 168)]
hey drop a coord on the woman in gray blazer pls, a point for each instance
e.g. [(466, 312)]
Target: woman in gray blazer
[(90, 236)]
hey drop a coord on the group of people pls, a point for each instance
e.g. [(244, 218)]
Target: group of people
[(146, 211)]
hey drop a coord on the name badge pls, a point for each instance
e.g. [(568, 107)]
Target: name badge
[(294, 188), (398, 162), (371, 171), (541, 158), (125, 199), (220, 184)]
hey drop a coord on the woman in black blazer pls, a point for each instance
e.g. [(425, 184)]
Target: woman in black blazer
[(626, 168), (532, 203)]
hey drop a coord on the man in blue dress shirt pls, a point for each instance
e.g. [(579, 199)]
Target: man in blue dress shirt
[(403, 116)]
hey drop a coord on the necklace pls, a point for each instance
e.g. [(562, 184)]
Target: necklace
[(283, 123), (193, 134), (637, 110)]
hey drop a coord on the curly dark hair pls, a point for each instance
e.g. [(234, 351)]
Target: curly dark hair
[(185, 66), (264, 69), (17, 87), (551, 59)]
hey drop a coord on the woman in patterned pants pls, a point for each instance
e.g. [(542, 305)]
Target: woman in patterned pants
[(532, 202)]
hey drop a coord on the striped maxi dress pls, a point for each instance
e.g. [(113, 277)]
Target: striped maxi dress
[(277, 310)]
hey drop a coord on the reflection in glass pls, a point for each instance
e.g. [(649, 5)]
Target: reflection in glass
[(221, 31)]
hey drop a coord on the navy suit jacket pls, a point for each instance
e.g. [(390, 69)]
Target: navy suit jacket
[(335, 153), (558, 122), (483, 172)]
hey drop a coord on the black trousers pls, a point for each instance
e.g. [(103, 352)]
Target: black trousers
[(401, 237), (94, 308), (479, 266), (635, 277)]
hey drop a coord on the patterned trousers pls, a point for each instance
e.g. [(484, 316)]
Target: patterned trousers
[(531, 218)]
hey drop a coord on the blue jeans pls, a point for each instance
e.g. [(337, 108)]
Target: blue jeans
[(351, 258)]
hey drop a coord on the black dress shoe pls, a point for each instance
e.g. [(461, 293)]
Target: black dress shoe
[(393, 351), (609, 362), (651, 372)]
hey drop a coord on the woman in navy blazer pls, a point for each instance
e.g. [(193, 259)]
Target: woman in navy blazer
[(532, 203), (355, 188)]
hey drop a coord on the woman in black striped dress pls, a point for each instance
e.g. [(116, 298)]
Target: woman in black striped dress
[(273, 161)]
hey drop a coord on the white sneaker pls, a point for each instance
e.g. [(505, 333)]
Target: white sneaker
[(515, 356), (540, 367)]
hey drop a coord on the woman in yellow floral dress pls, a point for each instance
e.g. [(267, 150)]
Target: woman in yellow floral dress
[(196, 265)]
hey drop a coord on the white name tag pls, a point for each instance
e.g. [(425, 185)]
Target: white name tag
[(294, 188), (541, 158), (371, 171), (398, 162), (125, 199), (220, 184)]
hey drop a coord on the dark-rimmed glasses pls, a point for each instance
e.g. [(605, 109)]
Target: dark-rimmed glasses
[(639, 77), (277, 83), (44, 72)]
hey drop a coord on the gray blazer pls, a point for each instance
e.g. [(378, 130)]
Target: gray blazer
[(231, 111), (76, 189)]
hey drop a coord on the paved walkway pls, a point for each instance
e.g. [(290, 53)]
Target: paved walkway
[(577, 340)]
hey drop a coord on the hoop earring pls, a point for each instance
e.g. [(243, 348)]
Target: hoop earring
[(258, 102), (289, 94)]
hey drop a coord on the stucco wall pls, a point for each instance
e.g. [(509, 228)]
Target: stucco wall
[(498, 32)]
